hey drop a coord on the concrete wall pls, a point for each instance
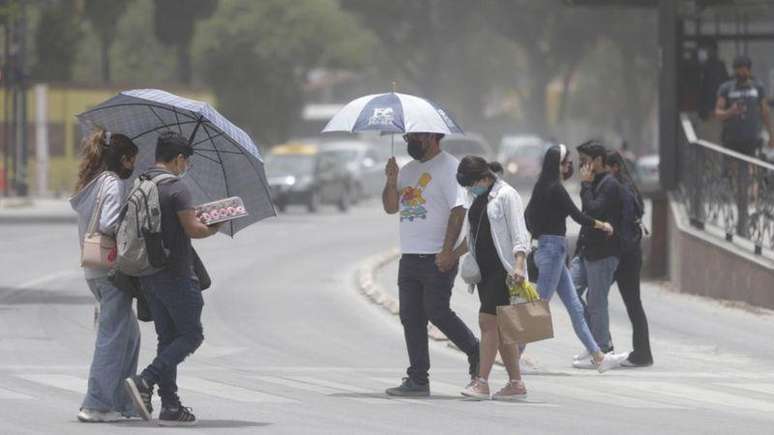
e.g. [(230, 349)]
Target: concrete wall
[(702, 264)]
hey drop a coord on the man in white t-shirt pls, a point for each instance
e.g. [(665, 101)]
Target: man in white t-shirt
[(431, 205)]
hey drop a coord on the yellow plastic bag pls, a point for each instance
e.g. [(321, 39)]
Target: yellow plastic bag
[(526, 290)]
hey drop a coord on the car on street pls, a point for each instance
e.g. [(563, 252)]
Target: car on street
[(522, 157), (470, 144), (299, 173), (364, 164), (646, 174)]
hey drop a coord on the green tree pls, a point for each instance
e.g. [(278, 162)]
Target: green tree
[(57, 35), (256, 57), (554, 39), (104, 17), (174, 25)]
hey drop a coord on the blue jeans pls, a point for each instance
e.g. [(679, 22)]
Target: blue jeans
[(555, 278), (116, 350), (596, 276), (176, 305)]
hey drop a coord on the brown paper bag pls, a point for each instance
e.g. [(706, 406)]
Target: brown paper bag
[(524, 323)]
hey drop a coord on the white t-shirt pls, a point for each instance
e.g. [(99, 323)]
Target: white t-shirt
[(427, 193)]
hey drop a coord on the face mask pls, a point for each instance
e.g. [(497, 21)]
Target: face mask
[(415, 149), (477, 191), (185, 171)]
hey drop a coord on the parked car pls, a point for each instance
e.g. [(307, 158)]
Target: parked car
[(301, 174), (522, 157), (646, 174), (364, 164), (470, 144)]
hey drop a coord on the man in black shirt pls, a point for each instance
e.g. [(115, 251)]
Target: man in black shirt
[(741, 105), (598, 253), (173, 294)]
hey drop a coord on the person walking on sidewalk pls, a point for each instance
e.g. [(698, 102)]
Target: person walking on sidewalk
[(628, 273), (107, 159), (598, 252), (173, 294), (546, 214), (431, 207), (498, 242)]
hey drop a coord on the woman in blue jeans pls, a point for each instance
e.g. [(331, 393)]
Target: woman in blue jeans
[(107, 159), (546, 217)]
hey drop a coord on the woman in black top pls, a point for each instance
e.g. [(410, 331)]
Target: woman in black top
[(546, 215), (628, 273)]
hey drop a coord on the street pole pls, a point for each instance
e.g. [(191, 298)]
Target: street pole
[(23, 182), (6, 107), (41, 139)]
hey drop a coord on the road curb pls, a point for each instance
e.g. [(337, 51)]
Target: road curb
[(368, 285)]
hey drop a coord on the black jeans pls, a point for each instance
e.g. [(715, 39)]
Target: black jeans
[(176, 303), (425, 293), (628, 278)]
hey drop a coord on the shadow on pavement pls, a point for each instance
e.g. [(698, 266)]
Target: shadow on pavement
[(204, 424), (386, 397)]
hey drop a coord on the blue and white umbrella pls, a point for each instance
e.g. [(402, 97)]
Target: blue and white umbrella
[(225, 162), (393, 113)]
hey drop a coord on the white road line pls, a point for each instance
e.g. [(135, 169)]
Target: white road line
[(63, 382), (595, 393), (230, 392), (304, 386), (757, 388), (699, 396), (12, 395), (339, 388)]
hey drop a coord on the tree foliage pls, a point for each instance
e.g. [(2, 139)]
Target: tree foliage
[(57, 36), (256, 57), (175, 25), (104, 17)]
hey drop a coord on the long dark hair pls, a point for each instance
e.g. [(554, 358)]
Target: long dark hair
[(550, 176), (624, 176), (102, 151)]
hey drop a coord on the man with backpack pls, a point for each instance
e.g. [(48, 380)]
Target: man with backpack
[(169, 282), (598, 253), (628, 273)]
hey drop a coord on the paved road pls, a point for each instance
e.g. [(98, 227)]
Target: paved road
[(291, 347)]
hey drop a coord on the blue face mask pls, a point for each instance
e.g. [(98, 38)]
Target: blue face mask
[(477, 191)]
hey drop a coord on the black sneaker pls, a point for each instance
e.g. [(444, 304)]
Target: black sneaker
[(141, 394), (409, 388), (178, 416)]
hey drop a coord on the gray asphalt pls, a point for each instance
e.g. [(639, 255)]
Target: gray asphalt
[(292, 347)]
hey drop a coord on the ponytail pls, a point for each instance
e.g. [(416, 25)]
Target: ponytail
[(103, 151), (92, 162)]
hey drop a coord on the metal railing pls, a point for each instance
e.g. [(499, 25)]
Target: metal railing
[(727, 193)]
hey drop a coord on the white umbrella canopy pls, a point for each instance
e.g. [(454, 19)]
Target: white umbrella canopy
[(392, 113)]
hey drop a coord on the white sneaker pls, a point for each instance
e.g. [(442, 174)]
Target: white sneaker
[(478, 389), (584, 364), (585, 354), (94, 416), (611, 361)]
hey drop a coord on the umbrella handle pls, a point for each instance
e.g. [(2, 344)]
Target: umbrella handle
[(392, 139)]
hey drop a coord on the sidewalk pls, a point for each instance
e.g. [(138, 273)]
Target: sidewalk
[(36, 211), (689, 335)]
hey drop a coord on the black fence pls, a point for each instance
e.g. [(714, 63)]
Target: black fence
[(727, 193)]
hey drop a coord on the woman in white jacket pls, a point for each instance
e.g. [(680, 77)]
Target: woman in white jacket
[(498, 242), (106, 160)]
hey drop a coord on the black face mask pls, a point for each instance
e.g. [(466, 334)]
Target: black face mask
[(570, 171), (416, 150)]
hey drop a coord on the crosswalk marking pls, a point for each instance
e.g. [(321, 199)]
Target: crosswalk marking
[(698, 395), (63, 382), (12, 395), (338, 388), (595, 394), (230, 392), (757, 388)]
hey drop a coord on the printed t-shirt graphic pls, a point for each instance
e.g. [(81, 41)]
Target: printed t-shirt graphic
[(411, 200)]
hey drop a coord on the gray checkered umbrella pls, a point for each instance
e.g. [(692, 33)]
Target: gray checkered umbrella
[(225, 163)]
